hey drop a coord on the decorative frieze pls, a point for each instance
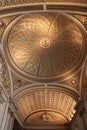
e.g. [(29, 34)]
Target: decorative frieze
[(19, 2), (4, 75)]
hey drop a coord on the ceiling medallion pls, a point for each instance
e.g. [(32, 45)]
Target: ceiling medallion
[(2, 24), (73, 81), (45, 117), (19, 82), (44, 46), (45, 42)]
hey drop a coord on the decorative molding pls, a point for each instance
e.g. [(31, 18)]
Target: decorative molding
[(23, 2), (4, 75), (9, 7), (1, 96), (50, 127), (12, 105)]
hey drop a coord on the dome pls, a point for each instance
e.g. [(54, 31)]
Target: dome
[(44, 46)]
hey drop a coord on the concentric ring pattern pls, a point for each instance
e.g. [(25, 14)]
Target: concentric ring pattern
[(45, 46)]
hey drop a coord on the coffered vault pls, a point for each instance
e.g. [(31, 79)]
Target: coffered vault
[(42, 60)]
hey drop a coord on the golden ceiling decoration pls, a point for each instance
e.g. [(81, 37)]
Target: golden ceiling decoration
[(4, 74), (44, 46), (46, 118), (18, 2), (44, 105), (42, 54)]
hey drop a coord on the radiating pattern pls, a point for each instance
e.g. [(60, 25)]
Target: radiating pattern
[(44, 105), (45, 45)]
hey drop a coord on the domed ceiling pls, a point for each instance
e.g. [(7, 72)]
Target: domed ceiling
[(44, 46), (44, 105), (44, 53)]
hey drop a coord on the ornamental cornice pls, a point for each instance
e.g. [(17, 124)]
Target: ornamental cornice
[(51, 4), (21, 2)]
